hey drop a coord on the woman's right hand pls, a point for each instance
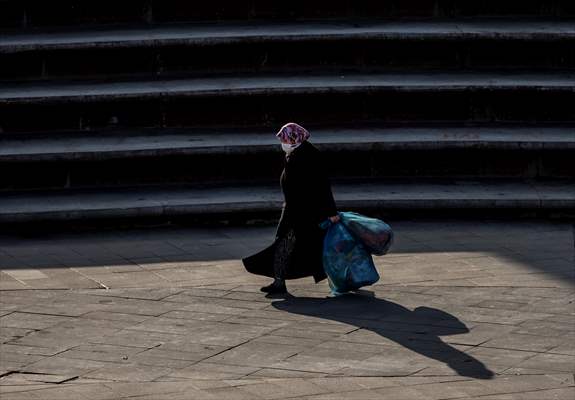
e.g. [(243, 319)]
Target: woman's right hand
[(335, 219)]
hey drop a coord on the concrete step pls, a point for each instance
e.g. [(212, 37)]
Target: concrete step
[(234, 33), (202, 49), (31, 14), (270, 100), (74, 160), (65, 92), (379, 196), (99, 146)]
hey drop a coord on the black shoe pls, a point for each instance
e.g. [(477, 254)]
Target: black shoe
[(275, 288)]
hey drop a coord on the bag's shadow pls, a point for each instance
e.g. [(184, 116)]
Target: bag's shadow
[(418, 330)]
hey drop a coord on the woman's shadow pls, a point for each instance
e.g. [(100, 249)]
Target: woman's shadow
[(418, 330)]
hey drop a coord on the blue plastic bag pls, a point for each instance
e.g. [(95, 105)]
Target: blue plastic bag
[(374, 234), (346, 262)]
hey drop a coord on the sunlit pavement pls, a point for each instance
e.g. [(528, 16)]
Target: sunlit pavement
[(464, 309)]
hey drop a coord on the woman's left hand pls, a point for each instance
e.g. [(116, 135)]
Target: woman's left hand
[(334, 219)]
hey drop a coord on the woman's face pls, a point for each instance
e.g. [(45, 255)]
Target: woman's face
[(288, 148)]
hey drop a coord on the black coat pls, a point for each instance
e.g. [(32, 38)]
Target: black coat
[(308, 202)]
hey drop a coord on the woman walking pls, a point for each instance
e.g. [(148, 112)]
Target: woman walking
[(298, 246)]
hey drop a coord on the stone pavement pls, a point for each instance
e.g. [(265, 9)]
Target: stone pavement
[(464, 309)]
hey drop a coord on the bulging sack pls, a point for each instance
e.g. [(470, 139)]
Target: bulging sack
[(346, 262), (373, 233)]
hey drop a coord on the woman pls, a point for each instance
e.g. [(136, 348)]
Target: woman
[(298, 247)]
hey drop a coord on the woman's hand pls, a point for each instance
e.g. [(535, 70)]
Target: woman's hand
[(334, 219)]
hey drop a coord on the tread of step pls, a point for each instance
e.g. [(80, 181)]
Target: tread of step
[(279, 84), (154, 142), (174, 201), (203, 34)]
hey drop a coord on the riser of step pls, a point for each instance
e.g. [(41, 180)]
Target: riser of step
[(26, 14), (292, 84), (337, 55), (230, 168), (217, 202), (236, 33), (104, 145), (273, 107)]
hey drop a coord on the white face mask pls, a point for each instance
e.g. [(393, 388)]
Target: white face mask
[(288, 148)]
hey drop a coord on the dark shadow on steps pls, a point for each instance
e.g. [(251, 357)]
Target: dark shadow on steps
[(418, 330)]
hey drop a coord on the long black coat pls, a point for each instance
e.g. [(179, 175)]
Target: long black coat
[(308, 202)]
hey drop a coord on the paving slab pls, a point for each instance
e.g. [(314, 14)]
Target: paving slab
[(422, 332)]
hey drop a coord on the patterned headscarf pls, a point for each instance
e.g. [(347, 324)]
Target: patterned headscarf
[(293, 133)]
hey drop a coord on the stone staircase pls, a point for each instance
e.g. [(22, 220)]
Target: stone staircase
[(162, 110)]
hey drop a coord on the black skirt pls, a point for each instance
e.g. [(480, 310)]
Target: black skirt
[(304, 257)]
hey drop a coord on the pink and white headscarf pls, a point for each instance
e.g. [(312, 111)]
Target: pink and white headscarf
[(292, 133)]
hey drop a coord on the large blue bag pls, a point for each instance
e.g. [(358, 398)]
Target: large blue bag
[(346, 262), (347, 250), (373, 233)]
